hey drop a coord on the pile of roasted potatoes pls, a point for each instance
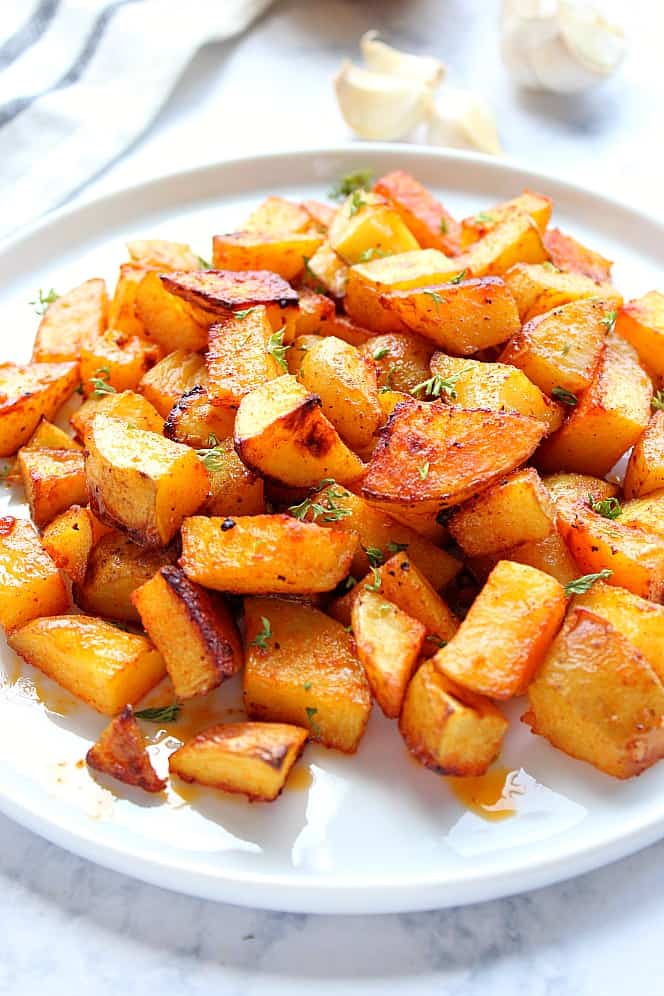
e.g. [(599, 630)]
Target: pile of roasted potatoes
[(369, 452)]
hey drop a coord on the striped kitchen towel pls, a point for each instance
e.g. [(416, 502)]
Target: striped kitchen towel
[(80, 80)]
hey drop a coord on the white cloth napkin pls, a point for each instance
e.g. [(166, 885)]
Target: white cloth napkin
[(80, 80)]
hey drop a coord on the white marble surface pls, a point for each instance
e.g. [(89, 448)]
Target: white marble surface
[(67, 926)]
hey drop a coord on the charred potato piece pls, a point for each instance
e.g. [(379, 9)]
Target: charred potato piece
[(645, 470), (115, 360), (447, 728), (192, 628), (234, 489), (253, 759), (69, 540), (127, 406), (426, 218), (571, 256), (195, 421), (537, 206), (140, 482), (366, 225), (91, 658), (116, 568), (305, 672), (30, 583), (28, 394), (53, 481), (241, 357), (168, 380), (344, 328), (120, 752), (70, 319), (265, 554), (641, 322), (166, 320), (284, 254), (540, 287)]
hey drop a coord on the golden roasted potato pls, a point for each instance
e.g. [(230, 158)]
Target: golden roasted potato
[(506, 632), (53, 481), (253, 759), (131, 408), (645, 470), (28, 394), (571, 256), (301, 668), (641, 322), (50, 437), (549, 555), (277, 216), (345, 381), (234, 489), (298, 350), (91, 658), (170, 378), (568, 489), (440, 455), (518, 509), (116, 567), (265, 554), (537, 206), (30, 583), (281, 432), (460, 317), (427, 219), (192, 628), (645, 513), (283, 253), (195, 421), (122, 309), (447, 728), (388, 646), (163, 255), (140, 482), (401, 360), (344, 328), (68, 320), (326, 272), (606, 420), (541, 287), (313, 311), (366, 225), (120, 752), (242, 355), (597, 698), (321, 215), (165, 319), (115, 361), (562, 348), (514, 239), (69, 540)]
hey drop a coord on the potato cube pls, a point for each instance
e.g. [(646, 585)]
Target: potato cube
[(301, 668), (91, 658), (571, 256), (401, 360), (597, 698), (48, 436), (253, 759), (321, 215), (423, 215), (166, 320), (515, 239), (298, 350), (549, 555), (30, 583), (122, 310), (281, 432), (540, 287), (568, 489), (163, 255), (116, 568), (168, 380), (518, 509), (366, 224), (645, 470), (28, 394), (140, 482), (313, 311), (265, 554), (283, 253), (537, 206), (120, 752), (326, 272), (234, 489), (447, 728), (561, 348), (192, 628), (277, 216), (388, 645), (69, 540), (53, 481), (645, 513), (608, 418), (127, 406), (115, 360), (195, 421), (239, 358), (70, 319), (641, 322), (506, 632)]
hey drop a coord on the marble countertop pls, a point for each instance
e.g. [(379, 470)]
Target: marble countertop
[(69, 926)]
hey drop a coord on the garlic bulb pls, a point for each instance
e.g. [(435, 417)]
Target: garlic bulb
[(461, 119), (378, 106), (382, 58), (564, 46)]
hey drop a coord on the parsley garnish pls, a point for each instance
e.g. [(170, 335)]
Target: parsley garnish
[(245, 311), (5, 471), (373, 253), (443, 227), (99, 383), (381, 353), (610, 320), (350, 582), (435, 297), (583, 584), (160, 714), (357, 201), (211, 457), (562, 394), (484, 218), (204, 263), (307, 686), (437, 385), (330, 512), (608, 507), (387, 386), (396, 547), (374, 555), (423, 470), (459, 277), (315, 728), (276, 348), (318, 287), (436, 640), (359, 179), (657, 401), (376, 583), (41, 303), (263, 636)]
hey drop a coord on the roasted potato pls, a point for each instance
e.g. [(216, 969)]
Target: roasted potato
[(313, 311), (549, 555), (277, 216), (53, 481), (571, 256), (28, 394), (120, 752), (69, 540), (129, 407), (645, 470), (48, 436), (282, 253), (242, 355), (427, 219), (116, 567), (514, 239), (165, 319), (234, 489), (195, 421), (30, 583), (568, 489), (641, 322), (115, 361), (366, 224), (168, 380), (401, 360), (541, 287), (326, 272), (537, 206), (122, 310), (645, 513), (70, 319), (163, 255)]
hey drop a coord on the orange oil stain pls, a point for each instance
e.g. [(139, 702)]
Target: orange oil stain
[(299, 779), (53, 699), (189, 792), (482, 791)]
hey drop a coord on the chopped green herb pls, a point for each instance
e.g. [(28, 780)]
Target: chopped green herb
[(657, 401), (459, 277), (583, 584), (423, 470), (374, 555), (204, 263), (349, 628), (5, 471), (608, 507), (435, 297), (41, 303), (160, 714), (381, 353), (610, 320), (548, 265), (245, 311), (99, 383), (311, 712), (376, 583), (437, 385), (396, 547), (307, 686), (384, 608), (387, 386), (484, 218), (317, 285), (276, 348), (436, 640), (350, 582), (443, 226), (212, 457), (373, 253), (562, 394), (566, 348), (357, 201), (261, 638), (359, 179), (330, 512)]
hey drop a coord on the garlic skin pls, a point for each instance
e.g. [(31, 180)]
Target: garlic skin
[(561, 46), (377, 106), (461, 119), (382, 58)]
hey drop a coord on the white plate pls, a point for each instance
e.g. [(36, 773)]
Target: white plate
[(373, 832)]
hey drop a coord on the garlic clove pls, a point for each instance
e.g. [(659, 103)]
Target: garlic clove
[(382, 58), (461, 119), (377, 106), (598, 45)]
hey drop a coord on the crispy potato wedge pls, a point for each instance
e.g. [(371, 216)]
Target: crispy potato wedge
[(597, 698), (537, 206), (304, 672), (506, 633), (541, 287), (70, 319), (447, 728), (91, 658), (514, 239), (28, 394), (518, 509), (234, 489), (170, 378), (265, 554), (163, 255), (283, 253), (365, 224), (549, 555), (435, 453), (30, 583), (165, 319), (239, 358), (281, 432), (641, 322), (140, 482), (277, 216), (326, 272), (401, 360), (253, 759), (461, 317), (129, 407), (69, 540), (645, 470), (573, 257), (195, 421), (116, 568), (608, 419), (192, 628), (53, 481), (116, 360), (388, 646), (120, 752), (431, 224), (645, 513)]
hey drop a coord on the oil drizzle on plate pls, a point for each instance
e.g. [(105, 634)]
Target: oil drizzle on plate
[(299, 779), (480, 793)]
